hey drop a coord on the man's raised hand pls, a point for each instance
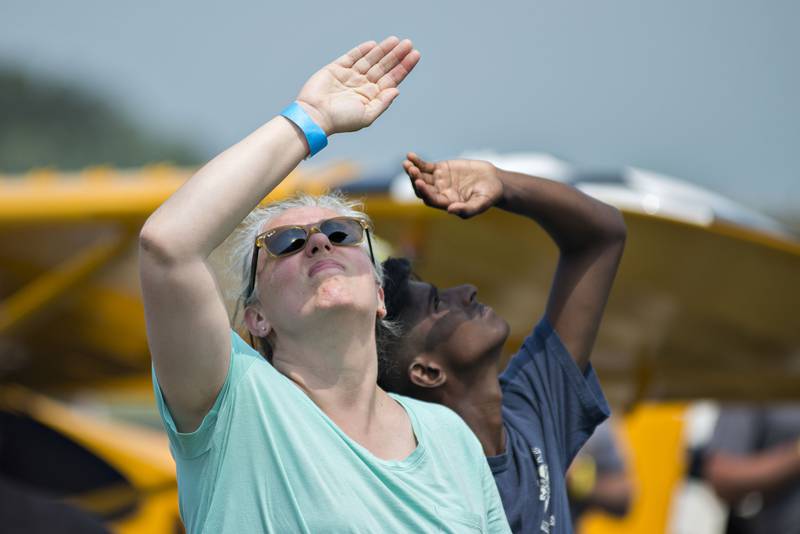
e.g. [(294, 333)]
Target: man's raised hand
[(463, 187), (353, 91)]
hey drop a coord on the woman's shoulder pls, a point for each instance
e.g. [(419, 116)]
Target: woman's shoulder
[(433, 416), (248, 362)]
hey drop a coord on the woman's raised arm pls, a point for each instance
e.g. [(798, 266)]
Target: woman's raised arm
[(187, 326)]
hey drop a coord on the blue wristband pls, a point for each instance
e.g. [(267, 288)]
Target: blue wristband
[(315, 136)]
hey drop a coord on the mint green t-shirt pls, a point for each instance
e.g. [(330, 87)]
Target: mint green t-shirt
[(267, 459)]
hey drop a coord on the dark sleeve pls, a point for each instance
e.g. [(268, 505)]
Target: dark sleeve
[(543, 381), (737, 431)]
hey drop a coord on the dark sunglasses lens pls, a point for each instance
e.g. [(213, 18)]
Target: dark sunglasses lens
[(286, 241), (342, 231)]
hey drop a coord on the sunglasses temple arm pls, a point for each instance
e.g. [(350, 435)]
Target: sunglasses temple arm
[(251, 285), (369, 242)]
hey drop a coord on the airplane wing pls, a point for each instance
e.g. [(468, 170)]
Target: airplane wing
[(702, 307)]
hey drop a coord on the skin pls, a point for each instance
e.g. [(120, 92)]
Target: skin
[(181, 295), (319, 289), (454, 355), (734, 476), (456, 349), (611, 492)]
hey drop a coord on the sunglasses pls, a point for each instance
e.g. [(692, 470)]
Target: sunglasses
[(287, 240)]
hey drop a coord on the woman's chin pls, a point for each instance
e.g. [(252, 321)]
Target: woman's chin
[(335, 298)]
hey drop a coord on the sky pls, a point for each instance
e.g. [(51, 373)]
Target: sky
[(706, 91)]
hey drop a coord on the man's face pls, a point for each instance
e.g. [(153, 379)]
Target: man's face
[(452, 325)]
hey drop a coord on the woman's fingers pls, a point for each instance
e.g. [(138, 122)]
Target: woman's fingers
[(388, 62), (375, 55), (349, 59), (395, 76), (381, 103)]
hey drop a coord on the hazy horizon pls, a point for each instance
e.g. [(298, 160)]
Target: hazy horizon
[(703, 92)]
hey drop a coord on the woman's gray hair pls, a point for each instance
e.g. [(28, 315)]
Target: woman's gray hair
[(242, 245)]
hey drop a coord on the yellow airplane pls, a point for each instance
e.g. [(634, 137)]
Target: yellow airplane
[(703, 307)]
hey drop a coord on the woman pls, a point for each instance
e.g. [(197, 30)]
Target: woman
[(308, 442)]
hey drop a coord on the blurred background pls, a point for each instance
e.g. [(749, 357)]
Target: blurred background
[(685, 115)]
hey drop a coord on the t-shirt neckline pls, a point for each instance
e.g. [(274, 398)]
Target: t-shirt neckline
[(409, 462)]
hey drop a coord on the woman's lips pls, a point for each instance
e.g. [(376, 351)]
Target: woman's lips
[(323, 265)]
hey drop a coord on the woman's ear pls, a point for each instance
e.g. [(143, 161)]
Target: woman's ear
[(382, 312), (256, 323)]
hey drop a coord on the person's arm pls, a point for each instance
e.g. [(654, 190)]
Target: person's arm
[(598, 477), (590, 235), (609, 492), (612, 494), (734, 475), (187, 326)]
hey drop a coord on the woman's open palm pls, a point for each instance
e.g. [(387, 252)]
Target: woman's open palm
[(353, 91)]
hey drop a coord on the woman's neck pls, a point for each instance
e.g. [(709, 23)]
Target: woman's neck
[(336, 364), (339, 373)]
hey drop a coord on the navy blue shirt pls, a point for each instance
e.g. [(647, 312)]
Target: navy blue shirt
[(550, 408)]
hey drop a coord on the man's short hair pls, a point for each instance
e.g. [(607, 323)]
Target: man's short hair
[(393, 372)]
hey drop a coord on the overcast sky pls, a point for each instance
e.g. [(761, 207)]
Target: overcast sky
[(702, 90)]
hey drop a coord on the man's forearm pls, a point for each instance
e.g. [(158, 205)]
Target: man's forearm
[(590, 236), (574, 220)]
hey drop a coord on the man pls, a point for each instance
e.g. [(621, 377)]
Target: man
[(546, 404), (753, 464)]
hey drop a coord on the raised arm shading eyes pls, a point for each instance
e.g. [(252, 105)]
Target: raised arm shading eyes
[(590, 235), (353, 91), (187, 326)]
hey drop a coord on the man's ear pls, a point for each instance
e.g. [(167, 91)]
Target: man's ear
[(382, 312), (256, 323), (426, 373)]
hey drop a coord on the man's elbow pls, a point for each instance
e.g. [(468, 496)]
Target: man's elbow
[(615, 229), (614, 234)]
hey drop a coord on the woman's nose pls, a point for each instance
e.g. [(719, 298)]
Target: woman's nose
[(317, 242)]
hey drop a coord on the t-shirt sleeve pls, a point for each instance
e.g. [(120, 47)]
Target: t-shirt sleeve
[(495, 514), (543, 382), (193, 444), (737, 431)]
